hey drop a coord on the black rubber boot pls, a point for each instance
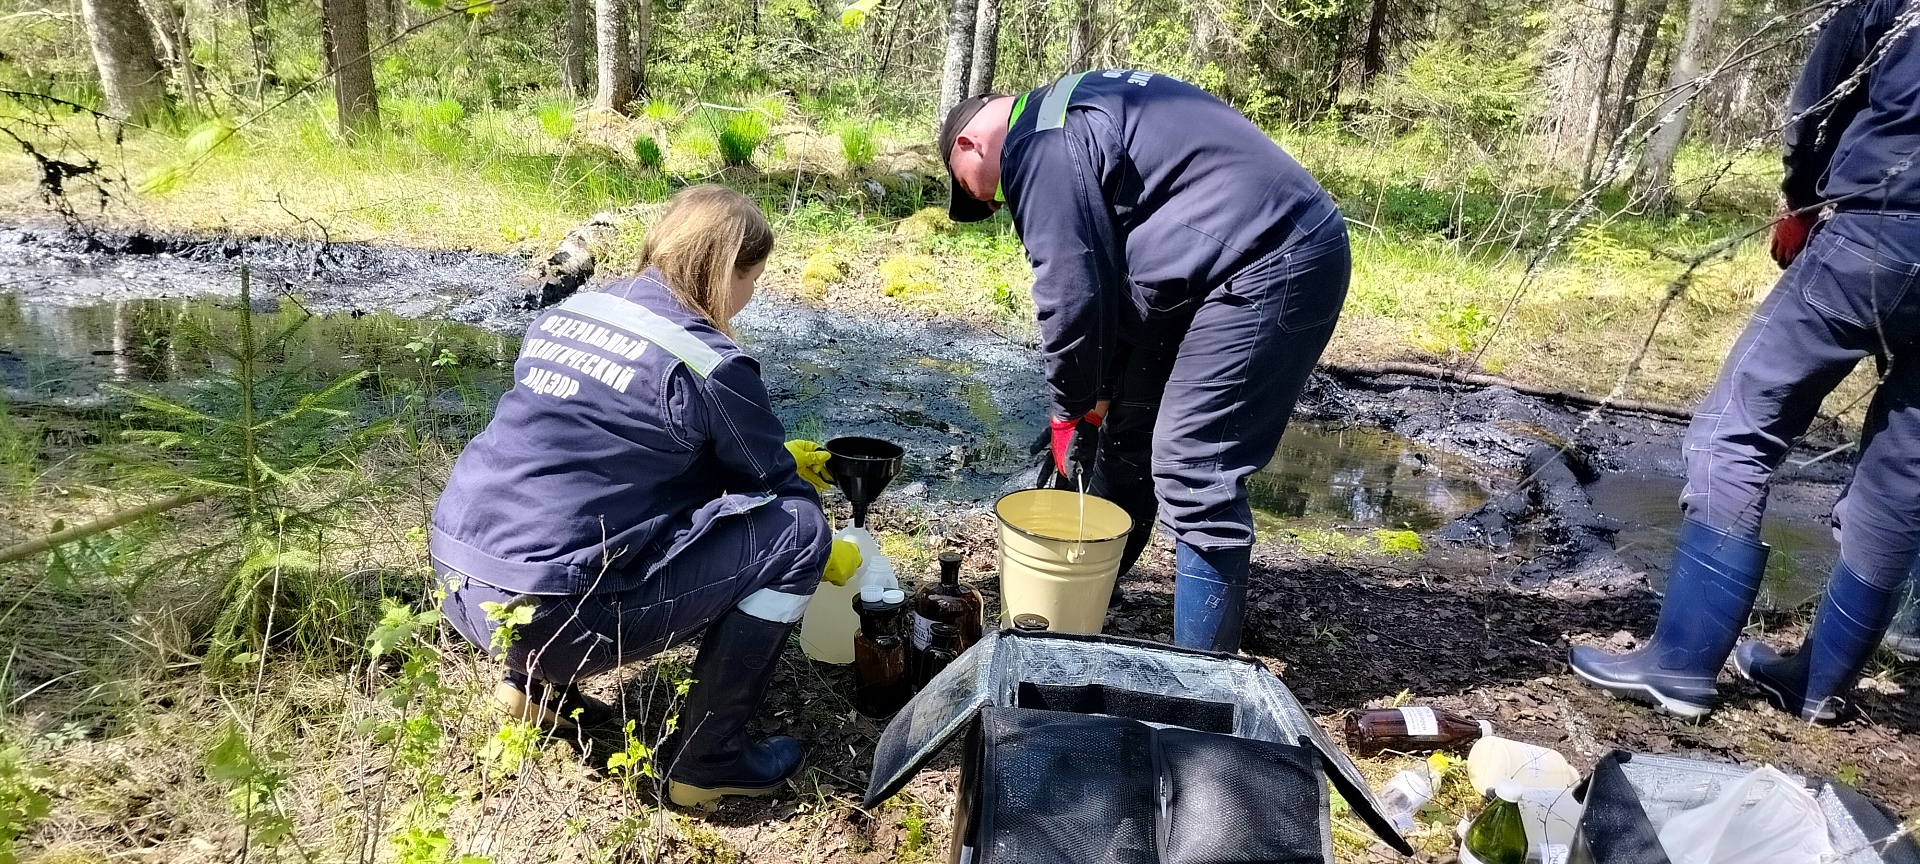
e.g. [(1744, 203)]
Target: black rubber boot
[(1811, 682), (1710, 590), (731, 674), (556, 707)]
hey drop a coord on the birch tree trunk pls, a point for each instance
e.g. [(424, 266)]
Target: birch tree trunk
[(574, 78), (1596, 125), (616, 66), (953, 75), (986, 47), (354, 98), (1653, 181), (134, 82)]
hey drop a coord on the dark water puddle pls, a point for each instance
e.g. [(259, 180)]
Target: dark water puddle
[(1334, 476), (1796, 526)]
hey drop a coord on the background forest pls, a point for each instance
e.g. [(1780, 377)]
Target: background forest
[(233, 654)]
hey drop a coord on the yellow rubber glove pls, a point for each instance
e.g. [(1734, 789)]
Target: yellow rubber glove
[(842, 562), (812, 462)]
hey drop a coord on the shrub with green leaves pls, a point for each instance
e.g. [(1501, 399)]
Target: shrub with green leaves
[(557, 119)]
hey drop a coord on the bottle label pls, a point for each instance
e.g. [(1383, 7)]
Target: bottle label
[(922, 631), (1421, 722)]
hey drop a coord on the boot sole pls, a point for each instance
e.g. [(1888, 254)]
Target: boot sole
[(508, 700), (688, 795), (1643, 693)]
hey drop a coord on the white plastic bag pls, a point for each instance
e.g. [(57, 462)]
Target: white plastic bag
[(1766, 818)]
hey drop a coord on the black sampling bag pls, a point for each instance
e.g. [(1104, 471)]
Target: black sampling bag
[(1093, 749), (1627, 789)]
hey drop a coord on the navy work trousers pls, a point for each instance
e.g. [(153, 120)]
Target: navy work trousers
[(1188, 424), (766, 560), (1850, 295)]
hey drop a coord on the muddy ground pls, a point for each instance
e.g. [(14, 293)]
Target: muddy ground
[(1480, 622)]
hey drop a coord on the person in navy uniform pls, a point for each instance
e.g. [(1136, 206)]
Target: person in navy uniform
[(635, 490), (1187, 275), (1848, 293)]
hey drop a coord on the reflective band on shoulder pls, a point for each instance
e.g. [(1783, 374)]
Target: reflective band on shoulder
[(628, 315), (1019, 108), (779, 607), (1053, 109)]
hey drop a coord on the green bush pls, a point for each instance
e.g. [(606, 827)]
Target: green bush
[(742, 136), (856, 143), (1462, 93), (647, 152)]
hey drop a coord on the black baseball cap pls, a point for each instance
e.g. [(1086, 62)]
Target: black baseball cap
[(962, 207)]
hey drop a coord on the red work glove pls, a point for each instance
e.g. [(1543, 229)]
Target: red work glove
[(1790, 236), (1063, 432)]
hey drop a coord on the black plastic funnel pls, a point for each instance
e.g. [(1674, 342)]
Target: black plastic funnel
[(862, 467)]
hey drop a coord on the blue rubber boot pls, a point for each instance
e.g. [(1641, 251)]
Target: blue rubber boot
[(731, 674), (1710, 590), (1210, 597), (1903, 635), (1812, 682)]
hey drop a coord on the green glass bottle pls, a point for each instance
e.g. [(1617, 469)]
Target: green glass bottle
[(1497, 835)]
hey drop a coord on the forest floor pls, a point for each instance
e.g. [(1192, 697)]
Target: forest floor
[(316, 751)]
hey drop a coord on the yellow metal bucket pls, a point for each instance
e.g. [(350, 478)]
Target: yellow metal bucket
[(1059, 554)]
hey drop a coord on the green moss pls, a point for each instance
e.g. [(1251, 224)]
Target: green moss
[(927, 223), (822, 271), (907, 276)]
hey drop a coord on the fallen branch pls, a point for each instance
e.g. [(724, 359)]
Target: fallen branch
[(1476, 379), (100, 525)]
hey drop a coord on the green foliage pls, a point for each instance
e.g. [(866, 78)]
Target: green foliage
[(556, 119), (507, 618), (856, 12), (398, 624), (1477, 95), (924, 224), (856, 144), (741, 137), (633, 764), (23, 798), (1461, 328), (254, 785), (647, 152), (822, 271)]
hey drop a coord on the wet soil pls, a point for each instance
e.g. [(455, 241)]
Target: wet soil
[(1540, 525)]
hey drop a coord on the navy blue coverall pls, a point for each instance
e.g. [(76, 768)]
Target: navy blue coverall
[(1849, 295), (1188, 269), (632, 487)]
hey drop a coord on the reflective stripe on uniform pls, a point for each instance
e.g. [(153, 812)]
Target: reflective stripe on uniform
[(631, 316), (1053, 109), (779, 607), (1019, 108)]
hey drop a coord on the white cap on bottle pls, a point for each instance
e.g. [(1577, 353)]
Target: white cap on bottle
[(871, 593), (893, 595), (1508, 790)]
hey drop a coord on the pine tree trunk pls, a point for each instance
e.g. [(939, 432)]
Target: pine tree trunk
[(953, 75), (1631, 81), (642, 39), (574, 80), (169, 21), (1079, 35), (131, 76), (353, 94), (616, 69), (1597, 110), (986, 47), (262, 49), (1654, 178), (1373, 58)]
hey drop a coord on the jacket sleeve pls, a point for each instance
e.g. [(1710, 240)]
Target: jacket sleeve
[(747, 438), (1816, 116), (1064, 222)]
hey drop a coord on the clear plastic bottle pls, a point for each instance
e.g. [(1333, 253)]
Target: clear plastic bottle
[(1499, 834), (1404, 795), (826, 633), (880, 681), (1413, 729)]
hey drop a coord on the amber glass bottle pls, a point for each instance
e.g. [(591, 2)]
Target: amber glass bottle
[(948, 601), (1412, 729), (943, 647), (881, 683)]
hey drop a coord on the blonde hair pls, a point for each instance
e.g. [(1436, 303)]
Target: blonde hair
[(708, 234)]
